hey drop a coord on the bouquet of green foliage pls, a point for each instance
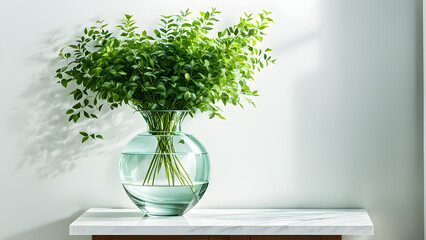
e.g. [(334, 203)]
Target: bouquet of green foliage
[(181, 67)]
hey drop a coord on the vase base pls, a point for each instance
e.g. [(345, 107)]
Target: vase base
[(159, 212), (165, 200)]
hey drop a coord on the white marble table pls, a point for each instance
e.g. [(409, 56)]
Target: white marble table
[(229, 222)]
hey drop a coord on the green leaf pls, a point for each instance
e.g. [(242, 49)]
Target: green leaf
[(75, 117), (77, 106), (187, 95), (162, 102), (100, 137), (220, 116), (84, 139), (187, 76), (157, 33), (196, 23), (69, 111), (64, 83), (98, 70), (84, 134), (161, 87)]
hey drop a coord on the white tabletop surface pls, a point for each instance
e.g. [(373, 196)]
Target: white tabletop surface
[(97, 221)]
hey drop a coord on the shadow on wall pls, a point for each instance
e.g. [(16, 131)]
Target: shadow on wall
[(53, 230), (50, 144)]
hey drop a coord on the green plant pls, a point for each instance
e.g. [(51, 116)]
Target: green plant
[(181, 67)]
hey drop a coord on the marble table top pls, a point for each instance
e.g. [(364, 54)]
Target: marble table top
[(98, 221)]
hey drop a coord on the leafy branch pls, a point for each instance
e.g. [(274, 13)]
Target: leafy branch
[(182, 66)]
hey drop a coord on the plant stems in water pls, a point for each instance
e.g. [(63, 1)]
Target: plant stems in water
[(164, 124)]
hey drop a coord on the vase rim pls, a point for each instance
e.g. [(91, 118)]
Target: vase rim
[(163, 111)]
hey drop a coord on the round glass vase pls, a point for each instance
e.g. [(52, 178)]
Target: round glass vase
[(163, 170)]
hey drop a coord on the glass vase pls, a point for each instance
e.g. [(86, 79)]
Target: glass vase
[(163, 170)]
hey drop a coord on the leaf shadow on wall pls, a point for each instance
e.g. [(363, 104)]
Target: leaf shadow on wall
[(50, 143)]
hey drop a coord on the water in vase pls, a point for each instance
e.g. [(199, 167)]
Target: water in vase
[(162, 185), (164, 199)]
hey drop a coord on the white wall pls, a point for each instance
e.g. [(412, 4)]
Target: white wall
[(338, 123)]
